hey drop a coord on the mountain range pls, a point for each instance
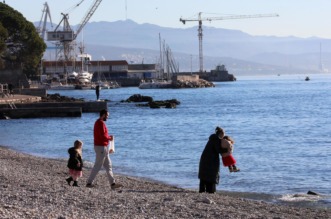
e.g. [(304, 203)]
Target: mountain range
[(240, 52)]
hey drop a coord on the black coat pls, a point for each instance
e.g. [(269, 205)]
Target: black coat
[(209, 166), (74, 159)]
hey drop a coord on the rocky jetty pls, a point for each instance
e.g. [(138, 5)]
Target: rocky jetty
[(170, 104), (58, 98), (136, 98), (192, 84), (154, 104)]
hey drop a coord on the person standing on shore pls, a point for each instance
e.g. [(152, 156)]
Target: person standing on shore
[(97, 91), (75, 163), (227, 158), (101, 141), (209, 165)]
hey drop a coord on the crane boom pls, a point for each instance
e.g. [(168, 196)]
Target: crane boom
[(66, 38), (229, 17), (200, 19), (87, 17), (43, 21)]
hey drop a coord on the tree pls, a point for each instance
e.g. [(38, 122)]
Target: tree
[(3, 37), (20, 44)]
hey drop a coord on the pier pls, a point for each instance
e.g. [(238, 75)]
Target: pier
[(25, 106)]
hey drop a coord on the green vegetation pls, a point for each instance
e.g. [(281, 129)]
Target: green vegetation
[(20, 44)]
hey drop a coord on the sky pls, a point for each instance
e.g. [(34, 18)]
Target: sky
[(300, 18)]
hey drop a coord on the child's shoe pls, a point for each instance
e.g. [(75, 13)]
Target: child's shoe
[(75, 184), (230, 169), (235, 169), (69, 180)]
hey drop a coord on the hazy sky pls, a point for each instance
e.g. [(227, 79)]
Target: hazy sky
[(301, 18)]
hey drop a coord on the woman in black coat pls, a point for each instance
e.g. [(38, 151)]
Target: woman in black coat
[(209, 166)]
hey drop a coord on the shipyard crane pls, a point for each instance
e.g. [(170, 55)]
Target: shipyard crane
[(66, 37), (200, 19), (43, 21)]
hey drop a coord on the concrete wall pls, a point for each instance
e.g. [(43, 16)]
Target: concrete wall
[(42, 112), (185, 78), (87, 107), (40, 92)]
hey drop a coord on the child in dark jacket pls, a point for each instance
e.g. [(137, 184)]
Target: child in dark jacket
[(75, 163)]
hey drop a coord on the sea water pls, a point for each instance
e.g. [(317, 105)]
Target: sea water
[(280, 124)]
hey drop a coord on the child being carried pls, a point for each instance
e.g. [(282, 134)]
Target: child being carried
[(227, 158)]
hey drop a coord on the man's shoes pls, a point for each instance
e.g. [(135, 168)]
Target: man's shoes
[(116, 186), (89, 185)]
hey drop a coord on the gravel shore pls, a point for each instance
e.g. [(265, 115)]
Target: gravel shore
[(34, 187)]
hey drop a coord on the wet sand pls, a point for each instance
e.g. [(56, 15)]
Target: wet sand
[(35, 187)]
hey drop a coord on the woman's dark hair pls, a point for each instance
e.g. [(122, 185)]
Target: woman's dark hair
[(219, 130), (103, 112)]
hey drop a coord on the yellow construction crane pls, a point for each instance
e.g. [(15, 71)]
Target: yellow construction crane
[(200, 19)]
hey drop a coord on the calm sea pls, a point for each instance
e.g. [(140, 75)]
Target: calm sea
[(281, 127)]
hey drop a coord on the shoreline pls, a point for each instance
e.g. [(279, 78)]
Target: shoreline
[(320, 201), (33, 186)]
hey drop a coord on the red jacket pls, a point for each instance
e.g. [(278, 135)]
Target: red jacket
[(101, 136)]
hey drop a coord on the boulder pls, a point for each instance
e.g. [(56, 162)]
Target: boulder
[(58, 98), (311, 193), (138, 98)]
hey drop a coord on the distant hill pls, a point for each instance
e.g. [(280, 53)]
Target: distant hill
[(240, 52)]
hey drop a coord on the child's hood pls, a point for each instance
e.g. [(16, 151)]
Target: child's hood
[(72, 150)]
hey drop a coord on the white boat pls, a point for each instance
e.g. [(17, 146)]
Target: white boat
[(155, 84), (85, 77), (83, 87), (60, 86), (102, 85), (105, 85), (113, 84), (72, 76)]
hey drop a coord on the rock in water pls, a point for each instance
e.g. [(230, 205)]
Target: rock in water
[(311, 193)]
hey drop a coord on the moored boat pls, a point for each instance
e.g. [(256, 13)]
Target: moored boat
[(85, 77), (60, 86), (83, 87), (155, 84)]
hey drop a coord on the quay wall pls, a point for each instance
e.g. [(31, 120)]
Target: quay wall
[(41, 112), (86, 107), (40, 92)]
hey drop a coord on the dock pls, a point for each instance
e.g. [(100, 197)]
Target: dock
[(18, 98), (27, 106)]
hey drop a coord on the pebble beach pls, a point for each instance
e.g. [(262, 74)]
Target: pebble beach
[(35, 187)]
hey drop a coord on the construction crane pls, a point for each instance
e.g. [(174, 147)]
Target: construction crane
[(43, 21), (66, 37), (200, 19)]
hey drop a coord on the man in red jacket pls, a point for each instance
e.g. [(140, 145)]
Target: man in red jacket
[(101, 140)]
